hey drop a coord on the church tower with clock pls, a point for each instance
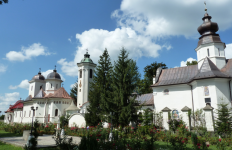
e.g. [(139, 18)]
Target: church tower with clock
[(85, 76)]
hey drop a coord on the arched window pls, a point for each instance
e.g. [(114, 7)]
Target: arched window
[(91, 73), (80, 73), (63, 102), (59, 102), (56, 86), (56, 112), (51, 85), (206, 91), (166, 92)]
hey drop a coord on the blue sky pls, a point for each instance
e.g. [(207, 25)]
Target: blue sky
[(41, 34)]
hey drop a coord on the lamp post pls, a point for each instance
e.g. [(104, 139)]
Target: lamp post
[(30, 137), (111, 134)]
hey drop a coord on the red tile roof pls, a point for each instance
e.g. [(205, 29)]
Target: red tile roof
[(60, 93)]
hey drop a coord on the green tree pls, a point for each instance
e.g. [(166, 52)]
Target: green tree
[(125, 80), (194, 62), (99, 96), (147, 81), (224, 120), (147, 117), (73, 92)]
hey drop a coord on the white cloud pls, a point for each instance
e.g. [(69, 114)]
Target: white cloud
[(45, 74), (3, 68), (183, 63), (96, 40), (72, 85), (24, 85), (8, 99), (69, 39), (228, 51), (27, 53), (165, 18)]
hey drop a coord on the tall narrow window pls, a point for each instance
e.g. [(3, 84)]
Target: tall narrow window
[(208, 52), (29, 113), (80, 73), (31, 87), (91, 73), (218, 52), (56, 112), (56, 86), (51, 85)]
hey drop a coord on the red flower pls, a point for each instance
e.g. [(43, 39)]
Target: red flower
[(220, 140), (97, 139), (198, 144), (199, 147), (207, 145), (113, 144), (183, 141)]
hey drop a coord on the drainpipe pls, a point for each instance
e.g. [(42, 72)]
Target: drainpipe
[(192, 104), (230, 91)]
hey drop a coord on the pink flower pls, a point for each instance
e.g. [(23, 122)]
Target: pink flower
[(220, 140)]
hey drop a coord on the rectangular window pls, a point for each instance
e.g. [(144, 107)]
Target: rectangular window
[(56, 86), (31, 88), (56, 112), (80, 73), (91, 73), (51, 85), (218, 52), (208, 52)]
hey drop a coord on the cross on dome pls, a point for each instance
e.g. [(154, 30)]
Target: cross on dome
[(39, 70), (205, 7), (55, 67), (87, 50)]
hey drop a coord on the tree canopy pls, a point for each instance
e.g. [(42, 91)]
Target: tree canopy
[(194, 62)]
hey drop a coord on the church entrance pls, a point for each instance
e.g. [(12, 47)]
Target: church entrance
[(48, 117)]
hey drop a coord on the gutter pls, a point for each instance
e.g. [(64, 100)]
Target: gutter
[(192, 104)]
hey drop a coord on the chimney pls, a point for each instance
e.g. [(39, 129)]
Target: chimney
[(153, 79)]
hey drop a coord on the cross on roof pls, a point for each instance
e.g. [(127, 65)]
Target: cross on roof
[(39, 69), (87, 50), (55, 67), (205, 6)]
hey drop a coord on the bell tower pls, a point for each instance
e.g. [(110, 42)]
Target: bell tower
[(210, 44), (85, 76)]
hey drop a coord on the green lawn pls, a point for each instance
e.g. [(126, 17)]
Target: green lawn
[(8, 134)]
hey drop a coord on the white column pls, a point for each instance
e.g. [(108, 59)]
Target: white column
[(166, 110), (83, 86), (185, 116), (209, 118)]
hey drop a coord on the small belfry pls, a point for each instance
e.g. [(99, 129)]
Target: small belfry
[(85, 76), (210, 44)]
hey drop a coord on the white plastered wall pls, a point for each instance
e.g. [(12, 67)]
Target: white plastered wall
[(54, 82), (215, 57), (179, 97)]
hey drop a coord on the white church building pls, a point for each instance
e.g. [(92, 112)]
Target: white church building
[(201, 86), (175, 90)]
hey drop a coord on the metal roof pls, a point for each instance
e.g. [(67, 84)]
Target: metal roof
[(184, 75), (53, 75), (145, 99)]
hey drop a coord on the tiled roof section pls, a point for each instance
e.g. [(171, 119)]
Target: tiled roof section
[(209, 70), (60, 93), (145, 99), (28, 98), (18, 104), (40, 94), (177, 75), (227, 69), (9, 110), (185, 108)]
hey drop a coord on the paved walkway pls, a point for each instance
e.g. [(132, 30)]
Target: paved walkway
[(43, 141)]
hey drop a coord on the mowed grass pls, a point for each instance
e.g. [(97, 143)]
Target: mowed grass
[(8, 134)]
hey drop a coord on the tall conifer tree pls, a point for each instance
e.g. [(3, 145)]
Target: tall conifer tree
[(99, 94), (125, 80)]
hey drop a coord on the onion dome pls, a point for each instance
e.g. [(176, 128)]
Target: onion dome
[(86, 59), (54, 75), (208, 31), (207, 27), (38, 77)]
